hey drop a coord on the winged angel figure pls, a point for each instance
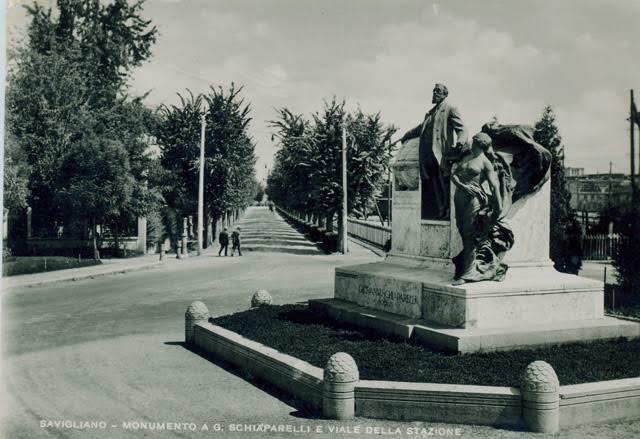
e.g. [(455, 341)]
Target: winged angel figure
[(502, 165)]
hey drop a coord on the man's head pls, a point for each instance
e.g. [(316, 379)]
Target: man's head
[(225, 229), (440, 92)]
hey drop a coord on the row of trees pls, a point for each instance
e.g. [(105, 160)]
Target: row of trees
[(229, 168), (307, 173), (75, 135), (78, 140)]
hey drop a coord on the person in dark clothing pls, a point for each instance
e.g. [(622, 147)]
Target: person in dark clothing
[(223, 238), (235, 240)]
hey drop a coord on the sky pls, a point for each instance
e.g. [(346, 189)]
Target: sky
[(507, 59)]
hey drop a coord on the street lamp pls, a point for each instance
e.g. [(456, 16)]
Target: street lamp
[(201, 184), (344, 246)]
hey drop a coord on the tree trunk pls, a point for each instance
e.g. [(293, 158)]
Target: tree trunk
[(185, 236), (216, 224), (329, 223), (208, 231), (96, 253), (340, 235), (116, 239)]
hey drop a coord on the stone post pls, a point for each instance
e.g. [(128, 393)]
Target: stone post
[(196, 313), (29, 222), (184, 250), (261, 298), (340, 378), (540, 398), (5, 223), (142, 235)]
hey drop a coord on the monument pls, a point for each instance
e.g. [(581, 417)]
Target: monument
[(481, 278)]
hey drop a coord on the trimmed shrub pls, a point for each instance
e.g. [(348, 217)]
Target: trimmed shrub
[(627, 258)]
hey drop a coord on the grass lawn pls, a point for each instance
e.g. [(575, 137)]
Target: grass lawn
[(307, 334), (38, 264)]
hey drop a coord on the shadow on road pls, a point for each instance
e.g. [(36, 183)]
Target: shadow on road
[(302, 410)]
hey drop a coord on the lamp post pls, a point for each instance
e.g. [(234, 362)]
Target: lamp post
[(201, 185), (343, 238)]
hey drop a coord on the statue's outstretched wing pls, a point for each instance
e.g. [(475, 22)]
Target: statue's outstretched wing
[(529, 161)]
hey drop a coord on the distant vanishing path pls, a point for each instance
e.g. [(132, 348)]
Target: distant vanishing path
[(266, 231)]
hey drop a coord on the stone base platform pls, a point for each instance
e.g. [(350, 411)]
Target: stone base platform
[(534, 295), (466, 340)]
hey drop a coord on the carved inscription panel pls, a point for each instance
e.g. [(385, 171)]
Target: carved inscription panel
[(391, 295)]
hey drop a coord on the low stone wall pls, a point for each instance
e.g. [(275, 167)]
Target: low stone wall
[(540, 404), (599, 402), (459, 404), (39, 245), (291, 375)]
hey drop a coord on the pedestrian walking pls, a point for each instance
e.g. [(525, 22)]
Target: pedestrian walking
[(235, 240), (223, 239)]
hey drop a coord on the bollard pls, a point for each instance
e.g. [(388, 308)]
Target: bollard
[(196, 313), (541, 398), (185, 236), (340, 379), (261, 298)]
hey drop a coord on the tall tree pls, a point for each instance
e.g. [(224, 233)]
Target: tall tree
[(16, 172), (96, 181), (565, 239), (178, 135), (289, 183), (229, 152), (108, 39), (369, 155), (67, 98)]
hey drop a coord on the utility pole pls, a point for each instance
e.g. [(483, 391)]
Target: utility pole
[(201, 186), (344, 246), (609, 197), (632, 139), (389, 189)]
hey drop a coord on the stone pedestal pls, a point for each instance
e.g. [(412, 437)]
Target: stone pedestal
[(533, 296), (142, 235)]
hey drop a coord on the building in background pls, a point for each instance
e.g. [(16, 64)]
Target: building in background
[(573, 172), (593, 192)]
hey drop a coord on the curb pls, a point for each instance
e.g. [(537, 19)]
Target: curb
[(80, 276), (370, 247), (622, 317)]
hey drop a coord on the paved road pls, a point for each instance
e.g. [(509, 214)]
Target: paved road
[(109, 349), (265, 231), (598, 271)]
